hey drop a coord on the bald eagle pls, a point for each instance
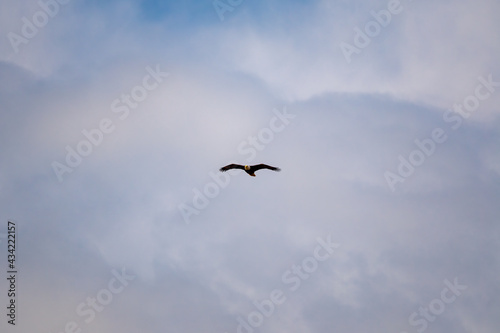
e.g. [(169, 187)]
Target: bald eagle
[(250, 169)]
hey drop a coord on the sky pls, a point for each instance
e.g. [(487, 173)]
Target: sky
[(384, 117)]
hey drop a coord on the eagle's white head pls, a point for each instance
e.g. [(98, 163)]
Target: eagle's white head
[(247, 167)]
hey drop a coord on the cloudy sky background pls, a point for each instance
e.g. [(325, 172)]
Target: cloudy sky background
[(348, 124)]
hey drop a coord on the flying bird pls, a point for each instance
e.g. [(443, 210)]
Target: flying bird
[(250, 169)]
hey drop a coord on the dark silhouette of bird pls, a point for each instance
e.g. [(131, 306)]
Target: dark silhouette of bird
[(250, 169)]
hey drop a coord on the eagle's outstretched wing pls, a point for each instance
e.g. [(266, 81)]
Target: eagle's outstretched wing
[(232, 166), (264, 166)]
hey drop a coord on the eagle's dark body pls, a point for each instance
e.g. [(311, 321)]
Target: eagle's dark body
[(250, 169)]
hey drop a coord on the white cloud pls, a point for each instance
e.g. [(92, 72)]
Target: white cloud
[(120, 206)]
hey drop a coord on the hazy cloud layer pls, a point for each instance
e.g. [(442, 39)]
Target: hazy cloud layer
[(116, 118)]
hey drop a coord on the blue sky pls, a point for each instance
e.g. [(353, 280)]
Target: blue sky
[(382, 115)]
